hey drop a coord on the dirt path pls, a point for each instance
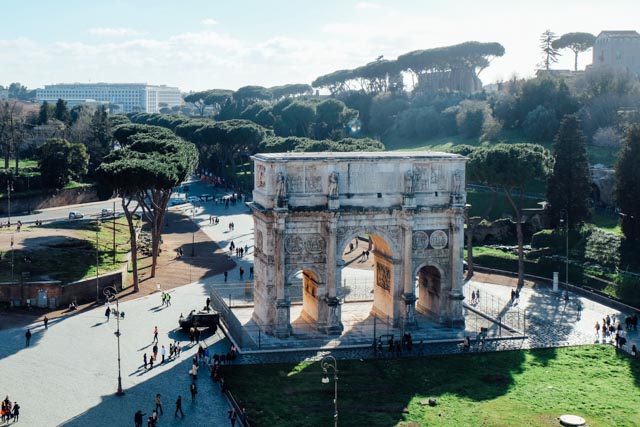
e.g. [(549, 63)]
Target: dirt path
[(171, 272)]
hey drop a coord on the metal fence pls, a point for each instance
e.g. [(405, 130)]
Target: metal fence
[(504, 311)]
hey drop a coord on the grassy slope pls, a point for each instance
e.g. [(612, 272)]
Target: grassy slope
[(76, 258), (489, 389)]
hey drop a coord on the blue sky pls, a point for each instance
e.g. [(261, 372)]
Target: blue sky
[(198, 44)]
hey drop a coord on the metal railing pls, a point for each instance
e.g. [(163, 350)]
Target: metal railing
[(504, 311)]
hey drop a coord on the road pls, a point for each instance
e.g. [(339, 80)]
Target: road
[(92, 210)]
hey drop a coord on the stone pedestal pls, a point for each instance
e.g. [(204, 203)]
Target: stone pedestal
[(409, 201), (334, 324), (334, 203), (456, 318), (409, 310), (282, 205), (283, 318)]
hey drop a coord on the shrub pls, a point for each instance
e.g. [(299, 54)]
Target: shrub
[(470, 118), (541, 124), (448, 124), (607, 137)]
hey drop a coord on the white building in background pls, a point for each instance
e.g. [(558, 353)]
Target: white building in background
[(128, 97)]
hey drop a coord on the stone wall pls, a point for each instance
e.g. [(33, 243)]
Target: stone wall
[(64, 197), (55, 294)]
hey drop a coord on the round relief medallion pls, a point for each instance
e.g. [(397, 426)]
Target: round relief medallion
[(420, 241), (438, 239), (293, 245)]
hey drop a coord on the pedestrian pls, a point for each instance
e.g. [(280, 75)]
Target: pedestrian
[(194, 371), (144, 361), (179, 407), (225, 277), (168, 298), (251, 272), (197, 335), (107, 312), (513, 295), (163, 353), (27, 335), (208, 303), (159, 404), (16, 412), (137, 418), (232, 416), (194, 391), (192, 334), (246, 249), (46, 322), (153, 420), (597, 328), (241, 272), (155, 334)]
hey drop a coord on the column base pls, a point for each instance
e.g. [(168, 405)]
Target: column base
[(409, 319), (283, 318)]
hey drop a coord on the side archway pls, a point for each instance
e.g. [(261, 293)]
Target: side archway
[(429, 290)]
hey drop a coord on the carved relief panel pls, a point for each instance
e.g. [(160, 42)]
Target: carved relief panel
[(383, 277), (260, 176)]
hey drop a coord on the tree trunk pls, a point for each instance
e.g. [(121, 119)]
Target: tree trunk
[(471, 225), (519, 236), (160, 201), (134, 244)]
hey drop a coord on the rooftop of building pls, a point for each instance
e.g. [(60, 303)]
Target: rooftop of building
[(625, 34)]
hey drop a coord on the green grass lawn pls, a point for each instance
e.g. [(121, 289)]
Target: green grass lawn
[(23, 164), (607, 223), (74, 258), (512, 388)]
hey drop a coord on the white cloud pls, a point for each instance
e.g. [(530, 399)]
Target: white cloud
[(113, 32), (367, 5), (209, 22)]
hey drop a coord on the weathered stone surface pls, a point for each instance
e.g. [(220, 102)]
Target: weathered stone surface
[(307, 207)]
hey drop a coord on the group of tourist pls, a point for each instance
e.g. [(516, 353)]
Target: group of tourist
[(611, 329), (10, 411), (394, 346), (475, 297), (166, 299)]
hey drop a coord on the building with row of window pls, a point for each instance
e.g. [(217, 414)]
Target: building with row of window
[(122, 97), (618, 50)]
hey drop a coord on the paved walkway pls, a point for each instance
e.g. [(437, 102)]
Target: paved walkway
[(68, 375)]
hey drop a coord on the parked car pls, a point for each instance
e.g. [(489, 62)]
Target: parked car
[(75, 215), (193, 199), (106, 212), (177, 201), (200, 319)]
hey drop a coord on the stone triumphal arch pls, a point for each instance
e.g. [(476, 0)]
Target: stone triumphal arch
[(308, 206)]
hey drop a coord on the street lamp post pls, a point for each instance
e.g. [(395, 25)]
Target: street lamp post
[(565, 219), (9, 190), (193, 232), (97, 265), (330, 362), (111, 293)]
